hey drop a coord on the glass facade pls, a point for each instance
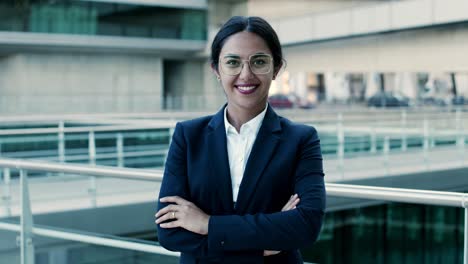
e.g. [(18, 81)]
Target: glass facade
[(106, 19), (390, 234)]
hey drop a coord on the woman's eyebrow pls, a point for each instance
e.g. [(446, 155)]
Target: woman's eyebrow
[(231, 55)]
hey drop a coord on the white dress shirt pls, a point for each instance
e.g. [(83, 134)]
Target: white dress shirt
[(239, 146)]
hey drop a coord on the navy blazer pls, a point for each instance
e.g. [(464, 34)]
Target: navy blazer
[(285, 159)]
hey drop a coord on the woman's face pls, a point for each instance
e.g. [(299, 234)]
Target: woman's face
[(246, 90)]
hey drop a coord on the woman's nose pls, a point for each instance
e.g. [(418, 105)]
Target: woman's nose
[(245, 73)]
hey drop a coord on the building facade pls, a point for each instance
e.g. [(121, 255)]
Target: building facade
[(102, 56)]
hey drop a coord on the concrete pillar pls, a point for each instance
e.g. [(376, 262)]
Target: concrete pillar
[(372, 86)]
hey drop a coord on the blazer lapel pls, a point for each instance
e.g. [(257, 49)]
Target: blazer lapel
[(220, 165), (261, 154)]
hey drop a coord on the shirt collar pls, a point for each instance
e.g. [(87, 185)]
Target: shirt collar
[(253, 124)]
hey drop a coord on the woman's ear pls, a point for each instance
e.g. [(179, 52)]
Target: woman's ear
[(215, 71), (279, 68)]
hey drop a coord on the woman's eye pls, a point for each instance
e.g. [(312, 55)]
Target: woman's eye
[(232, 63), (259, 62)]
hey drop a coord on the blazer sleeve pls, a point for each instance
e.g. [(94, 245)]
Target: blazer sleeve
[(175, 183), (283, 230)]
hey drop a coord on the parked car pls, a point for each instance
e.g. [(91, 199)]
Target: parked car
[(459, 100), (432, 101), (386, 99), (300, 102), (280, 101)]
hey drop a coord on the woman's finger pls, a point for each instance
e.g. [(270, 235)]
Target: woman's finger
[(267, 253), (174, 199), (287, 203), (294, 203), (167, 209), (172, 224), (291, 203), (169, 216)]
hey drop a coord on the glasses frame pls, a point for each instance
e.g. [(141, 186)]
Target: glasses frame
[(243, 62)]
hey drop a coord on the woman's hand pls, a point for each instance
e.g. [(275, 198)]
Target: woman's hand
[(184, 213), (291, 204)]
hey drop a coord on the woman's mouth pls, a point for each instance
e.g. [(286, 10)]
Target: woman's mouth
[(246, 89)]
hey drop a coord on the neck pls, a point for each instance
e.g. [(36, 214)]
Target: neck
[(239, 116)]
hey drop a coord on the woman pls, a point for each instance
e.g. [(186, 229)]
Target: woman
[(232, 181)]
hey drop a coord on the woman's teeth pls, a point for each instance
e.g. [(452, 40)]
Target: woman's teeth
[(246, 88)]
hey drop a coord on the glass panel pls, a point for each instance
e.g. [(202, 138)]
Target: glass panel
[(142, 148), (111, 19), (51, 250), (9, 251), (390, 233)]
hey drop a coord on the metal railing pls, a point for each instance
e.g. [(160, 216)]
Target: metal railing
[(26, 227), (27, 230), (344, 135)]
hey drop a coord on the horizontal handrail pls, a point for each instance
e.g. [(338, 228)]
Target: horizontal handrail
[(110, 128), (403, 195), (99, 171), (341, 190), (168, 124), (333, 189), (89, 239), (325, 113)]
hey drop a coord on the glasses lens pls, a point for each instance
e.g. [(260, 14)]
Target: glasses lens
[(231, 66), (260, 64)]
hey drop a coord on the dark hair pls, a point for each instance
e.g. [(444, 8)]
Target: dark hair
[(252, 24)]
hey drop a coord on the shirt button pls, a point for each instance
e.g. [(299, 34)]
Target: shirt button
[(222, 243)]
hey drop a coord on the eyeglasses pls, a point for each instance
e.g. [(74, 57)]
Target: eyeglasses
[(258, 64)]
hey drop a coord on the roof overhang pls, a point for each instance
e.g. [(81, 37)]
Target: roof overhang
[(14, 42), (189, 4)]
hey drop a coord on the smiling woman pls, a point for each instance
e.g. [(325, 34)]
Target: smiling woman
[(244, 185)]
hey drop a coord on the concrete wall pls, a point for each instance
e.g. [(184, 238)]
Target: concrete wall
[(424, 50), (79, 83), (280, 9), (191, 85)]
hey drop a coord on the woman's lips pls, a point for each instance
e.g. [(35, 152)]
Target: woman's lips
[(246, 89)]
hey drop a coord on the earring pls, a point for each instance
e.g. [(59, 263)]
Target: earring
[(218, 78)]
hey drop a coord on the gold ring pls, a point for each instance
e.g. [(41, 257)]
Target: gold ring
[(173, 215)]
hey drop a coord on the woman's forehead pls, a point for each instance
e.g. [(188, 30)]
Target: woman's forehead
[(244, 44)]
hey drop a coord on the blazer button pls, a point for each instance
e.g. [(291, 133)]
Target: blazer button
[(222, 243)]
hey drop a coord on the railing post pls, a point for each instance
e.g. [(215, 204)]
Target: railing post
[(6, 197), (120, 150), (341, 144), (460, 135), (386, 151), (91, 148), (373, 138), (26, 235), (404, 143), (61, 142), (426, 143), (92, 161), (465, 250)]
